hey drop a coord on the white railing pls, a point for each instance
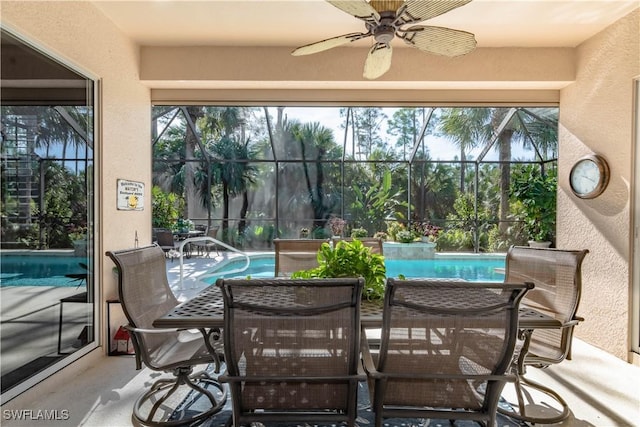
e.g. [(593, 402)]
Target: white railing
[(216, 242)]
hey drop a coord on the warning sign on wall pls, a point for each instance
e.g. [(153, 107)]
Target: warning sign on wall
[(130, 195)]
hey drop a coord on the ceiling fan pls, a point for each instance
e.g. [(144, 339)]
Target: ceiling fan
[(386, 19)]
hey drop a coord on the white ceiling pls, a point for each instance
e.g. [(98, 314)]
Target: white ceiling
[(496, 23)]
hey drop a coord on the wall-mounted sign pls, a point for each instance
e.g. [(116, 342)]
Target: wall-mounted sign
[(130, 195)]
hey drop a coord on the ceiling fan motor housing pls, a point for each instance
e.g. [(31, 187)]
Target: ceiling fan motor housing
[(385, 30)]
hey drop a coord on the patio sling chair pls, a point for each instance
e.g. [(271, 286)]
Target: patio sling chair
[(205, 246), (166, 241), (296, 254), (445, 349), (557, 275), (292, 348), (145, 295)]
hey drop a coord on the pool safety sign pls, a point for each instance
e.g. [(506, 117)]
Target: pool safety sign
[(130, 195)]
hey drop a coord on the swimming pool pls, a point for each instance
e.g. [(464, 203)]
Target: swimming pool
[(470, 267), (40, 270)]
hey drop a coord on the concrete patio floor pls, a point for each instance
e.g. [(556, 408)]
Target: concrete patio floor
[(601, 390)]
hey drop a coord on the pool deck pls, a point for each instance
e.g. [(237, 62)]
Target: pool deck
[(194, 269)]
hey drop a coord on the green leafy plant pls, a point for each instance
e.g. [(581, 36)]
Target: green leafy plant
[(393, 227), (537, 194), (350, 259), (405, 236), (359, 232), (166, 208)]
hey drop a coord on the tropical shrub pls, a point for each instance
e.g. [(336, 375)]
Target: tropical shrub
[(405, 236), (537, 194), (359, 232), (166, 208), (393, 227)]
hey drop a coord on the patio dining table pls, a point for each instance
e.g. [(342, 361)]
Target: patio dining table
[(206, 310)]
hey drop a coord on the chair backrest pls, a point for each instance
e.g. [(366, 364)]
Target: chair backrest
[(165, 239), (296, 254), (446, 344), (557, 275), (292, 346), (144, 291), (213, 231)]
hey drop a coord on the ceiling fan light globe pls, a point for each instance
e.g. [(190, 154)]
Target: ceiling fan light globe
[(384, 34)]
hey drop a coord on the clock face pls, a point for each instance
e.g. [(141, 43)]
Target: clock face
[(589, 177)]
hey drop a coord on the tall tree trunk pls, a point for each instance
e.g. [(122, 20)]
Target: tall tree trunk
[(463, 168), (242, 224), (225, 212), (191, 140), (505, 178)]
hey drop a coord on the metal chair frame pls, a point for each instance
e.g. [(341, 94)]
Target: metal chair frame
[(145, 295)]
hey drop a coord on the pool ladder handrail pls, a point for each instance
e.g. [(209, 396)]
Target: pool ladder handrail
[(216, 242)]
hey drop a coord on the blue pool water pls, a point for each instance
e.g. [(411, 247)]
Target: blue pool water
[(39, 270), (473, 268)]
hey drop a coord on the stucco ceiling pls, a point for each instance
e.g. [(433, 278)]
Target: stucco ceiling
[(496, 23)]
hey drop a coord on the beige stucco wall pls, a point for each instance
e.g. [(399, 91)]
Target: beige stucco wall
[(596, 115), (79, 34)]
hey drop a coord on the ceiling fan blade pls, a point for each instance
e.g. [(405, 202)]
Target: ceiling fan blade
[(378, 61), (361, 9), (328, 43), (439, 40), (421, 10)]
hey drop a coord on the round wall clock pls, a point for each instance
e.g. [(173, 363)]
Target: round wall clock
[(589, 177)]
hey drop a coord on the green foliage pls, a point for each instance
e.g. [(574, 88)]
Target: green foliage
[(350, 259), (359, 232), (378, 202), (167, 208), (455, 239), (393, 228), (65, 206), (537, 195), (320, 233), (405, 236)]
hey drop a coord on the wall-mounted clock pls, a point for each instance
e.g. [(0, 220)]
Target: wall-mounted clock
[(589, 177)]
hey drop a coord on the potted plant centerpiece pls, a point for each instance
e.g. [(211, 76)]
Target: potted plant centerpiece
[(350, 259)]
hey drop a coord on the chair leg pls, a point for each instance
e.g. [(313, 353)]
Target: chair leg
[(521, 413), (162, 391)]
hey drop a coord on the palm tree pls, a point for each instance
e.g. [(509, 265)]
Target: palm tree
[(231, 169), (467, 128), (316, 143)]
